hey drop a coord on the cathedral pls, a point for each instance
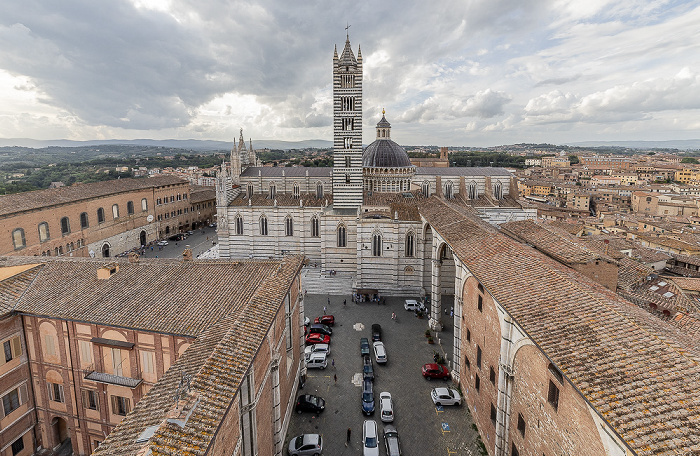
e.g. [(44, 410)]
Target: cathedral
[(361, 217)]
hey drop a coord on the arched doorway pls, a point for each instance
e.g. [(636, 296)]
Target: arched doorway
[(60, 432), (142, 238), (167, 230), (105, 251), (443, 285)]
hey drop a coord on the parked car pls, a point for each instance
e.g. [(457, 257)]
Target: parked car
[(367, 368), (411, 304), (306, 321), (367, 397), (305, 444), (391, 440), (445, 396), (364, 346), (162, 243), (433, 370), (316, 361), (310, 403), (386, 405), (370, 438), (328, 320), (318, 348), (376, 332), (190, 232), (178, 237), (316, 338), (323, 329), (379, 352)]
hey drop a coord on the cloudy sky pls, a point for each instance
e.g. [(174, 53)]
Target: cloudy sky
[(466, 72)]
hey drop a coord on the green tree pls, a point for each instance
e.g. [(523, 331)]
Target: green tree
[(692, 160), (573, 159)]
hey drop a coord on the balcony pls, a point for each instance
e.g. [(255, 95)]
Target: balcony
[(111, 379)]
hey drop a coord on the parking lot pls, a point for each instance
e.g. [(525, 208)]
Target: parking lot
[(423, 429)]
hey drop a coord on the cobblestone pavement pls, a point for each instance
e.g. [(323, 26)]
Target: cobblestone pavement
[(419, 424)]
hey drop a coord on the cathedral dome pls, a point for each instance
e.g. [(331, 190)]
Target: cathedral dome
[(383, 152)]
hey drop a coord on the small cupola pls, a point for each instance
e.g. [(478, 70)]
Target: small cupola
[(383, 128)]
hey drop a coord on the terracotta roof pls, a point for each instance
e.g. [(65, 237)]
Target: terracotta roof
[(14, 281), (19, 202), (687, 259), (217, 362), (283, 200), (461, 171), (293, 171), (689, 284), (199, 194), (641, 374)]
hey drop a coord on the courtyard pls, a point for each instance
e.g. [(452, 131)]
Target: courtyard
[(423, 428)]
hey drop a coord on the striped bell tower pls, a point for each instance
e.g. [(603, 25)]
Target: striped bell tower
[(347, 128)]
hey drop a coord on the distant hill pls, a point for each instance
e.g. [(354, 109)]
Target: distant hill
[(681, 144), (193, 144)]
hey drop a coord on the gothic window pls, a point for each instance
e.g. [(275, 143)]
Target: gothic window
[(295, 190), (144, 204), (65, 226), (130, 207), (342, 236), (348, 143), (18, 239), (273, 191), (319, 190), (314, 227), (250, 190), (473, 192), (347, 178), (409, 244), (448, 190), (115, 210), (377, 245), (44, 231), (348, 124), (347, 161), (100, 215), (239, 224), (263, 225), (288, 226), (347, 103), (426, 189), (497, 190)]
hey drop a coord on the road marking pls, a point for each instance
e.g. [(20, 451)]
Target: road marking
[(450, 452), (445, 428), (357, 379), (358, 326)]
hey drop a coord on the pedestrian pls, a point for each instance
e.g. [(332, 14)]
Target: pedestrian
[(393, 315), (324, 310), (333, 362), (329, 300), (345, 302), (445, 310), (347, 442), (335, 378), (452, 311)]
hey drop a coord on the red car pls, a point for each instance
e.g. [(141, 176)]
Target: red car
[(433, 370), (317, 338), (325, 320)]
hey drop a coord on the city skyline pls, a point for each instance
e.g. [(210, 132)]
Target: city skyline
[(478, 73)]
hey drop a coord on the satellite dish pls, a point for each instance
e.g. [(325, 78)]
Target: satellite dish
[(149, 219)]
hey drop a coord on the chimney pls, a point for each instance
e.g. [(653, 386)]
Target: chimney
[(133, 257), (187, 254), (106, 271)]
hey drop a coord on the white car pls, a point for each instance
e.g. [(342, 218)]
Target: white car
[(317, 348), (379, 352), (370, 439), (411, 304), (161, 243), (316, 361), (387, 407), (305, 445), (445, 396)]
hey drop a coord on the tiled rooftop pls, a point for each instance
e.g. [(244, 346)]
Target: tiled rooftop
[(283, 200), (13, 282), (640, 373)]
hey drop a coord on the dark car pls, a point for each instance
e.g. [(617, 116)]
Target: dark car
[(321, 329), (310, 403), (367, 397), (367, 368), (364, 346), (433, 370), (391, 439), (316, 338), (376, 332), (177, 237), (328, 320)]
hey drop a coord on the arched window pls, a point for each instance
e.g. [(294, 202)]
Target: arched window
[(115, 210), (18, 239), (65, 226), (144, 204), (295, 190), (448, 190), (130, 207), (105, 251), (100, 215), (44, 232), (473, 191), (84, 223), (288, 226), (497, 190), (409, 244), (377, 245), (319, 190), (263, 225), (239, 224), (342, 236), (426, 189), (314, 227), (250, 190), (273, 191)]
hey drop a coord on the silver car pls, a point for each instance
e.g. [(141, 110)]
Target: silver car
[(391, 440), (370, 439), (305, 445)]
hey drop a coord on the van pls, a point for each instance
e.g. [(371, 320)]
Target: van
[(411, 304), (321, 329), (316, 361), (379, 352)]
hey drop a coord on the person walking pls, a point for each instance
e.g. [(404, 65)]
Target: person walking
[(324, 310), (393, 315), (335, 378), (333, 362), (345, 302), (347, 442)]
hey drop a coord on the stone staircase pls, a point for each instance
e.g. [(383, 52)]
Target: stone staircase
[(315, 281)]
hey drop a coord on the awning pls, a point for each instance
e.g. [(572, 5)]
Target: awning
[(366, 291)]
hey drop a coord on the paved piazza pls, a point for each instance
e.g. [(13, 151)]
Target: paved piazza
[(419, 424)]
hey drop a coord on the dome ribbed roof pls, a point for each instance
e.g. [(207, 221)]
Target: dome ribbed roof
[(385, 153)]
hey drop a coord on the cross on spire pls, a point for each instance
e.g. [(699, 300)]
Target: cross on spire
[(347, 33)]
